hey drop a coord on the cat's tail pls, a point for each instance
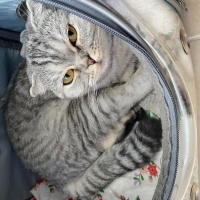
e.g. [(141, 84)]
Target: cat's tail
[(135, 151)]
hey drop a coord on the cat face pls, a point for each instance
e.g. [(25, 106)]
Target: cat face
[(65, 54)]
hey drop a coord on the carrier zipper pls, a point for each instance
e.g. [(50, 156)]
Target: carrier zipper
[(154, 63)]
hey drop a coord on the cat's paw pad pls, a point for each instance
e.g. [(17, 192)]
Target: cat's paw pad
[(150, 114), (140, 114)]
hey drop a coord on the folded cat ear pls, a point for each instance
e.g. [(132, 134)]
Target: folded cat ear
[(36, 87), (35, 10), (34, 7)]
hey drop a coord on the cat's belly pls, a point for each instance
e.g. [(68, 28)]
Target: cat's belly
[(115, 134)]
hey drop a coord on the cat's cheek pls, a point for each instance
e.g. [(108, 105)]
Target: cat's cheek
[(59, 95), (73, 92)]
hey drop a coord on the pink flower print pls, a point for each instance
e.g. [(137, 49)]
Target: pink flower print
[(122, 197)]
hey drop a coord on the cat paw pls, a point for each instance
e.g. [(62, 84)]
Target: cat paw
[(149, 130)]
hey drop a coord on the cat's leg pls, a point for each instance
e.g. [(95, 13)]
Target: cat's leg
[(125, 96), (112, 104), (135, 151)]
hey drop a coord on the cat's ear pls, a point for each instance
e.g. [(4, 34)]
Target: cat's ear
[(35, 10), (36, 88), (34, 7)]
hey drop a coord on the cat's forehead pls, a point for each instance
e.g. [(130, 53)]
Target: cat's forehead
[(78, 21), (63, 18), (46, 16)]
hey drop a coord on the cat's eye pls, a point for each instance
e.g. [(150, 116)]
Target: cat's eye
[(69, 77), (72, 34)]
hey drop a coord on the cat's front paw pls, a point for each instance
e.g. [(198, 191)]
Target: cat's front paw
[(77, 189), (140, 79)]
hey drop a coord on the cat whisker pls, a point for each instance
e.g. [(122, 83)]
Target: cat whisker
[(96, 98), (88, 88)]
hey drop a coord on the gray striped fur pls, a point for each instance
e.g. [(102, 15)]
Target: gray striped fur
[(71, 135)]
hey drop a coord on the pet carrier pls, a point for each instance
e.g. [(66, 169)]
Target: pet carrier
[(154, 30)]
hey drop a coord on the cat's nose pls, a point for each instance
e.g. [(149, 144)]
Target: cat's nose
[(90, 61)]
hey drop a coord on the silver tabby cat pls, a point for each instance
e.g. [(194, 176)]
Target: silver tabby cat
[(71, 102)]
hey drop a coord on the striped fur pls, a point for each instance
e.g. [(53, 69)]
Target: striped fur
[(73, 135)]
